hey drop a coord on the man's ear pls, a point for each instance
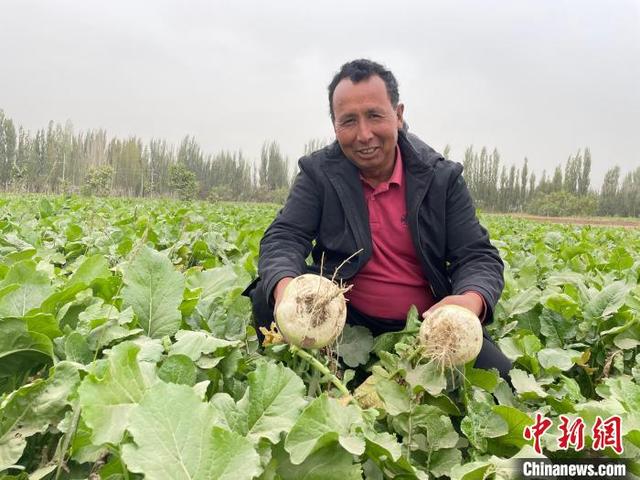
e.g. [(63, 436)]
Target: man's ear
[(400, 115)]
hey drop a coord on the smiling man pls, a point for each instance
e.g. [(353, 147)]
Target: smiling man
[(383, 191)]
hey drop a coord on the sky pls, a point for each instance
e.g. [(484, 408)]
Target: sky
[(537, 79)]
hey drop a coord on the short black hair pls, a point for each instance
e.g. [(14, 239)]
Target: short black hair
[(363, 69)]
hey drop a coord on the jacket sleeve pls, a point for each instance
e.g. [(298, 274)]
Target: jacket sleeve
[(473, 263), (288, 240)]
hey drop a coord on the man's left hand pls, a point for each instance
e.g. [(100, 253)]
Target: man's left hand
[(469, 300)]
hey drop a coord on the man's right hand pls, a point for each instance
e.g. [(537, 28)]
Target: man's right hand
[(279, 290)]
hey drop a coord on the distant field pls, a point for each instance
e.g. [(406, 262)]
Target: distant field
[(127, 351), (605, 221)]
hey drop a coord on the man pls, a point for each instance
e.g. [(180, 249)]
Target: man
[(381, 190)]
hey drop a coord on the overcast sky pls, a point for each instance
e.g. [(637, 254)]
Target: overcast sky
[(540, 78)]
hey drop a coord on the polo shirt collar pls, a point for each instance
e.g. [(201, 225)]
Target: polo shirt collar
[(396, 178)]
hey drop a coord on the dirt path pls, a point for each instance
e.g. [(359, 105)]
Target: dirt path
[(601, 221)]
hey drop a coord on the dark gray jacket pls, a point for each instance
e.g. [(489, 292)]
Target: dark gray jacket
[(326, 213)]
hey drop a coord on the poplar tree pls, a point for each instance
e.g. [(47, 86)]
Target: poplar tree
[(556, 182), (523, 182), (608, 197), (584, 178)]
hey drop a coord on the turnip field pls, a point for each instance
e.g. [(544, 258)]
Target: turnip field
[(127, 352)]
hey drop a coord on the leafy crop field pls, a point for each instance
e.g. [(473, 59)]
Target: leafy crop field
[(127, 352)]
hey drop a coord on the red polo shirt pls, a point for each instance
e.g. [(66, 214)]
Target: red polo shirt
[(392, 280)]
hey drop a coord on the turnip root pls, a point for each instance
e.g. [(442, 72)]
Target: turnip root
[(312, 311), (451, 336)]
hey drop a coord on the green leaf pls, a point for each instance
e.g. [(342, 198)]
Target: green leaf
[(76, 349), (34, 287), (485, 379), (214, 283), (385, 444), (273, 401), (522, 302), (154, 289), (443, 461), (482, 423), (178, 369), (43, 323), (427, 377), (151, 350), (393, 466), (102, 324), (107, 398), (92, 268), (354, 345), (531, 344), (230, 319), (32, 408), (570, 280), (82, 449), (185, 443), (606, 302), (620, 259), (563, 278), (15, 243), (196, 344), (477, 470), (20, 349), (517, 421), (437, 427), (556, 328), (562, 304), (445, 404), (522, 348), (57, 300), (526, 384), (6, 290), (73, 232), (623, 389), (327, 463), (509, 346), (45, 208), (324, 422), (229, 414), (557, 358), (387, 341), (629, 338), (590, 409), (509, 468), (395, 397)]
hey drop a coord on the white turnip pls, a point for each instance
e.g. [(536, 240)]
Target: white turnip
[(312, 311), (451, 336)]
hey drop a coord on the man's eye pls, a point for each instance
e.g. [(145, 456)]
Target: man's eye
[(349, 121)]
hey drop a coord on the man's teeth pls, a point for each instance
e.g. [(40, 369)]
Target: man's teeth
[(366, 151)]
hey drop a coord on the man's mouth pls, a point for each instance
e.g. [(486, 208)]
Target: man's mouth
[(367, 151)]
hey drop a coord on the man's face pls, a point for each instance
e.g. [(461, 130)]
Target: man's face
[(366, 125)]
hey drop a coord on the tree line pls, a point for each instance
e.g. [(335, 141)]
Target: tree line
[(60, 160), (567, 191), (57, 159)]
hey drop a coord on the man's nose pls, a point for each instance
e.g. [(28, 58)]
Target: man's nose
[(364, 132)]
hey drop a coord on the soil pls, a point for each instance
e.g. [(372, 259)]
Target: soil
[(600, 221)]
